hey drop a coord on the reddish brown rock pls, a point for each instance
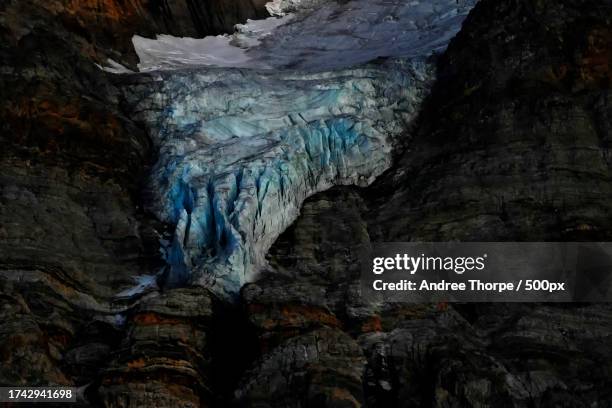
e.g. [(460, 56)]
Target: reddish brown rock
[(163, 360)]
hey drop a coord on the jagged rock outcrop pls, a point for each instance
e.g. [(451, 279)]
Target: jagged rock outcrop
[(322, 368), (164, 358)]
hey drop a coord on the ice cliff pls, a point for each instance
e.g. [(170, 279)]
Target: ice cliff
[(293, 112), (240, 150)]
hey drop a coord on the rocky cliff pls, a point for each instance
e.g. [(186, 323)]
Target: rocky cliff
[(72, 230), (514, 142), (511, 144)]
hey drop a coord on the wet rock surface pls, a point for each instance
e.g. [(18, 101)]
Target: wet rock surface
[(512, 145)]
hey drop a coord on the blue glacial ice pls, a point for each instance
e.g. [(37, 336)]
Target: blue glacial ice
[(240, 150), (293, 109)]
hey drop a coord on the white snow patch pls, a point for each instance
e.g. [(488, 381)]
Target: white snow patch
[(168, 52), (316, 35), (143, 283), (114, 67)]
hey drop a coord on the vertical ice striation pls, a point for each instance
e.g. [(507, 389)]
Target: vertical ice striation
[(240, 150), (296, 110)]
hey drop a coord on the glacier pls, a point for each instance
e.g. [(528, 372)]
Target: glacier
[(248, 126), (240, 150)]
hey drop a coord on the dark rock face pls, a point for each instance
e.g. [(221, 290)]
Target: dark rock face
[(72, 232), (144, 374), (513, 145), (418, 355), (321, 368)]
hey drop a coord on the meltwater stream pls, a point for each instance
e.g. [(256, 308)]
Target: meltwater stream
[(251, 124)]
